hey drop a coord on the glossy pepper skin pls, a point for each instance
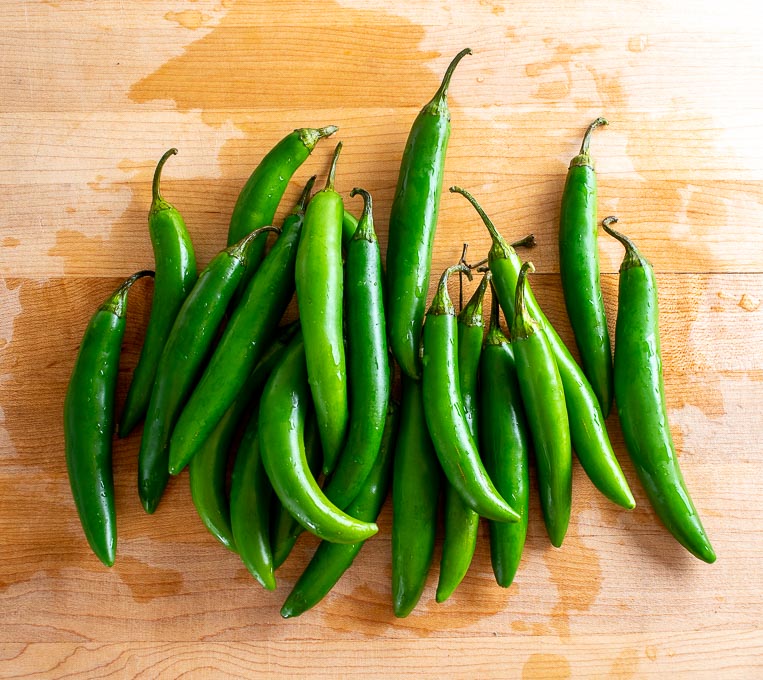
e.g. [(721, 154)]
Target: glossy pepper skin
[(283, 407), (640, 397), (579, 269), (187, 347), (284, 529), (461, 522), (543, 396), (250, 496), (331, 560), (89, 422), (368, 369), (209, 468), (587, 430), (175, 265), (412, 224), (248, 334), (416, 478), (259, 198), (505, 447), (443, 407), (319, 278)]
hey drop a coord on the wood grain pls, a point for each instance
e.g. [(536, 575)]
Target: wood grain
[(94, 95)]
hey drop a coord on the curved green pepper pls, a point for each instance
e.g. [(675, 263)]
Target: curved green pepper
[(331, 560), (175, 265), (453, 442), (89, 422), (283, 407), (368, 360), (579, 269), (319, 296), (412, 224), (461, 522), (640, 396)]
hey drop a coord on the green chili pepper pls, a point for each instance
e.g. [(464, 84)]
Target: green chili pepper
[(587, 430), (640, 397), (258, 201), (443, 407), (543, 397), (579, 269), (209, 467), (283, 407), (284, 529), (175, 265), (412, 224), (505, 446), (368, 360), (89, 422), (319, 296), (331, 560), (247, 335), (461, 522), (187, 347), (416, 479)]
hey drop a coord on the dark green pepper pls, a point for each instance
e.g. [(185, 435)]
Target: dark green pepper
[(579, 269), (640, 397), (89, 422)]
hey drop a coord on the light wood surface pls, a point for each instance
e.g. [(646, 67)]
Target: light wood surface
[(93, 93)]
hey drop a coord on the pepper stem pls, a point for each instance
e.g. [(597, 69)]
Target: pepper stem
[(305, 197), (332, 170), (523, 324), (587, 137), (240, 249), (461, 278), (156, 194), (117, 301), (471, 314), (498, 240), (311, 136), (442, 304), (495, 335), (632, 256), (365, 228), (442, 92)]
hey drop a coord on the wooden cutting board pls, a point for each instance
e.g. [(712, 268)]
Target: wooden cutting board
[(93, 93)]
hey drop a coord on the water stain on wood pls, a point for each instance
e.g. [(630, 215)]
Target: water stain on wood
[(189, 18), (546, 666), (146, 581)]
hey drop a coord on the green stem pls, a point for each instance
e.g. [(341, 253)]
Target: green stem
[(587, 137), (523, 324), (116, 303), (332, 169), (155, 192), (442, 304), (305, 196), (442, 93), (632, 256), (365, 228), (498, 241)]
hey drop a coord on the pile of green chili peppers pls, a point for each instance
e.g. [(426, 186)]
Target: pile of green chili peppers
[(303, 412)]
